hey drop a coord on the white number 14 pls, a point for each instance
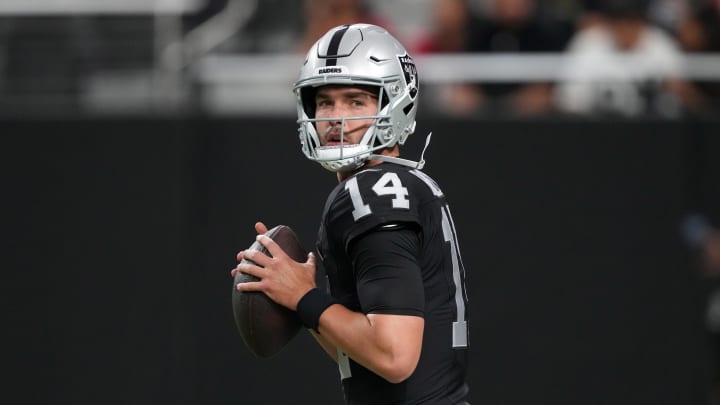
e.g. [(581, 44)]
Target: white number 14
[(388, 184)]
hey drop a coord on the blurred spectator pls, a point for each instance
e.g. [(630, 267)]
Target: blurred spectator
[(511, 26), (590, 15), (519, 26), (293, 26), (624, 65), (321, 15), (450, 28), (700, 32), (666, 14)]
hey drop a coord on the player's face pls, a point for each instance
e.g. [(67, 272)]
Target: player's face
[(340, 102)]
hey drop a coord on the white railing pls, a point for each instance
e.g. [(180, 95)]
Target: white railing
[(63, 7), (436, 68), (262, 83)]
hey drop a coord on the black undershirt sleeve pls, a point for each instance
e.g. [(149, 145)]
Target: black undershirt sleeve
[(387, 273)]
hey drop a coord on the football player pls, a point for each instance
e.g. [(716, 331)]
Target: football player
[(395, 318)]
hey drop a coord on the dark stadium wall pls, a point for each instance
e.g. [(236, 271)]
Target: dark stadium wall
[(120, 236)]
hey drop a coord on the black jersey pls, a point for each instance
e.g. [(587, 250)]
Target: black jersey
[(376, 199)]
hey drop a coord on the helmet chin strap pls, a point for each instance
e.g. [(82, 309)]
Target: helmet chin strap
[(405, 162)]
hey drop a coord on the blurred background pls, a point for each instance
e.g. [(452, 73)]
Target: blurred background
[(577, 141)]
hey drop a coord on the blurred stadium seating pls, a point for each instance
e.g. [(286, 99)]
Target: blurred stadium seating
[(206, 56)]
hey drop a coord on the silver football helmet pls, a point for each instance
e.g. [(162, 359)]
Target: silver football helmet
[(363, 55)]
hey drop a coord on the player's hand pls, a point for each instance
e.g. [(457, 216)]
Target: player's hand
[(282, 279), (261, 229)]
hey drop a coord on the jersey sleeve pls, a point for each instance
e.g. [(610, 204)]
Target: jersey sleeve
[(387, 274)]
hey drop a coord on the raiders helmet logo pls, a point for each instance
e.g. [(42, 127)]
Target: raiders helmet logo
[(410, 72)]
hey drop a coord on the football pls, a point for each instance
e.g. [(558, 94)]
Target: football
[(265, 326)]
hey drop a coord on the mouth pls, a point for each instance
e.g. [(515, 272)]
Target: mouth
[(333, 139)]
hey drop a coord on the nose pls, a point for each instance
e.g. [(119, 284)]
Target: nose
[(336, 116), (338, 112)]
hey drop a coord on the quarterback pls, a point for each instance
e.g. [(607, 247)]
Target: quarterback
[(395, 317)]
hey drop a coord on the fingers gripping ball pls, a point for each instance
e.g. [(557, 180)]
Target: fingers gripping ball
[(265, 326)]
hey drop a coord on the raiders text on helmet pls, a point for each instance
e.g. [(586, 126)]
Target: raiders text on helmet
[(358, 54)]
